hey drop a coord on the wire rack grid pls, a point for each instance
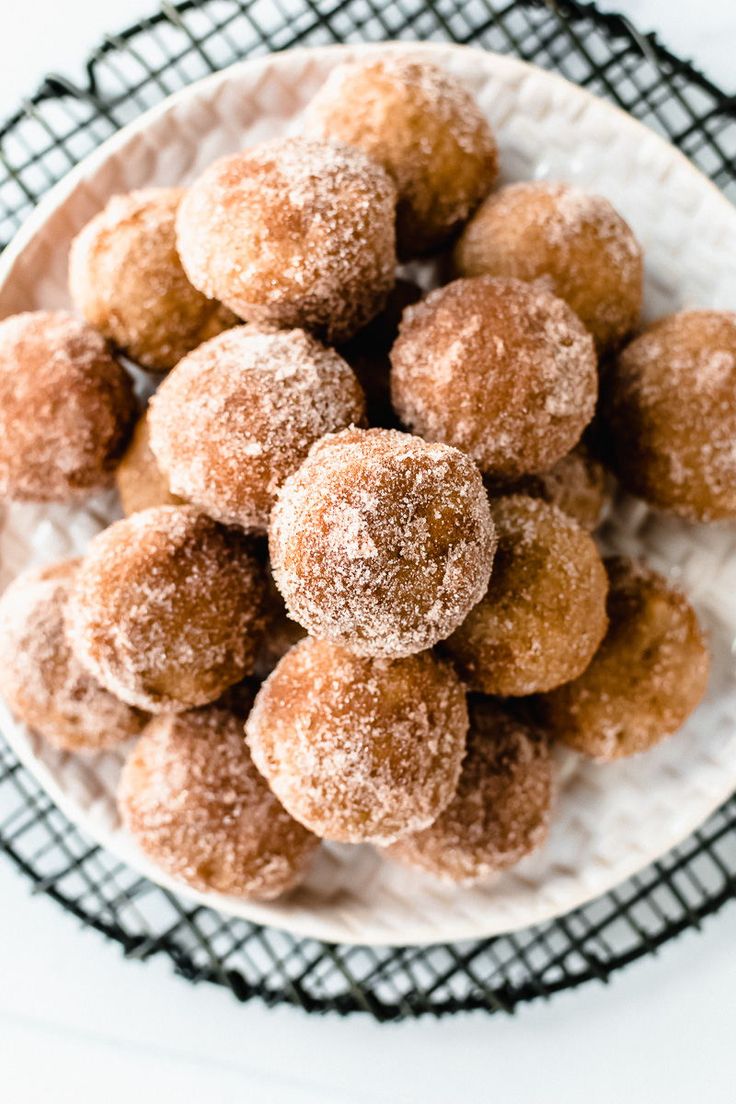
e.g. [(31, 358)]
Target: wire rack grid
[(51, 132)]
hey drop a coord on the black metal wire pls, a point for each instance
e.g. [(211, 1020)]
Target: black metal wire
[(55, 128)]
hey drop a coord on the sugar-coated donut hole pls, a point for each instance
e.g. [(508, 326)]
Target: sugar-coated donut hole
[(574, 242), (294, 232), (425, 128), (359, 749), (669, 409), (196, 805), (647, 677), (138, 477), (40, 678), (381, 542), (503, 370), (577, 483), (167, 608), (66, 408), (126, 279), (500, 811), (544, 613), (239, 414)]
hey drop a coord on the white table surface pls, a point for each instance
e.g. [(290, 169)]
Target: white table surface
[(79, 1023)]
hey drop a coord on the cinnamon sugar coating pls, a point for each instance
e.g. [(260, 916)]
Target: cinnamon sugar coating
[(359, 749), (645, 680), (66, 408), (138, 477), (502, 370), (544, 613), (240, 413), (126, 279), (425, 128), (196, 805), (167, 608), (381, 542), (40, 678), (293, 232), (575, 243), (669, 406), (501, 809)]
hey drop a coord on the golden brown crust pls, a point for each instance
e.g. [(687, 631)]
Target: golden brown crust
[(240, 413), (138, 477), (647, 677), (500, 811), (359, 749), (669, 405), (381, 542), (66, 408), (500, 369), (167, 608), (196, 805), (126, 279), (294, 233), (427, 131), (40, 678), (544, 613), (574, 242)]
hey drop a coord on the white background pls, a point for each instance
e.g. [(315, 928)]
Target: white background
[(78, 1023)]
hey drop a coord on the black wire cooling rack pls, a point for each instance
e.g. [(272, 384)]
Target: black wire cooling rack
[(130, 72)]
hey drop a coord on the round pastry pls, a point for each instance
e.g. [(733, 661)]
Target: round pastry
[(425, 128), (167, 608), (195, 804), (293, 232), (500, 812), (357, 749), (577, 484), (647, 677), (669, 406), (503, 370), (573, 242), (126, 279), (41, 680), (544, 613), (381, 542), (66, 408), (239, 414), (368, 354), (138, 477)]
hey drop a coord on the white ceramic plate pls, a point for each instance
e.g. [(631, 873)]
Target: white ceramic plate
[(609, 820)]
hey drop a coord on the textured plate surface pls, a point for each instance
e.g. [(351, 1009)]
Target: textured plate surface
[(609, 820)]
